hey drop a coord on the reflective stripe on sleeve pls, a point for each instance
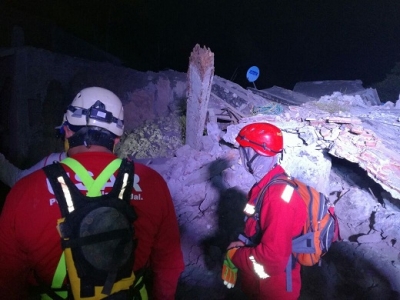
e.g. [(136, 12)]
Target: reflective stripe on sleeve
[(249, 209), (124, 185), (287, 193), (67, 194), (258, 268)]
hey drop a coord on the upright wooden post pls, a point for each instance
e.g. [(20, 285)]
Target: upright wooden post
[(200, 78)]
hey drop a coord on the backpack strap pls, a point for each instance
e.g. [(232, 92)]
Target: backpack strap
[(124, 181), (64, 189), (278, 178), (56, 173)]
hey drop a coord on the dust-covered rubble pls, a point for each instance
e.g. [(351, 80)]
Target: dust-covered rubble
[(209, 191)]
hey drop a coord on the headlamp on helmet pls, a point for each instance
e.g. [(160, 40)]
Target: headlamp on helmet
[(97, 107)]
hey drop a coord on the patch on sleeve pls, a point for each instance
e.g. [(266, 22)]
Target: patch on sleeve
[(287, 193)]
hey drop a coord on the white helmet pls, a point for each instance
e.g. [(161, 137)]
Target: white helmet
[(96, 106)]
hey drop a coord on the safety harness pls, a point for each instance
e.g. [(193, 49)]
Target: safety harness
[(96, 232)]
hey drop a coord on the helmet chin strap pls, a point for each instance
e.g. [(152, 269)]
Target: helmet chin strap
[(92, 137), (66, 145), (250, 162), (263, 165)]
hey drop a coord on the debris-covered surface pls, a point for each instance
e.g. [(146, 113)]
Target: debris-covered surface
[(327, 143), (283, 96), (339, 143)]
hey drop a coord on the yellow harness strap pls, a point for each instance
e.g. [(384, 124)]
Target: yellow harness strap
[(93, 186), (142, 291), (58, 279)]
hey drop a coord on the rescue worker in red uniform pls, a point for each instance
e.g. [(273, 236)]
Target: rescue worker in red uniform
[(261, 254), (30, 247)]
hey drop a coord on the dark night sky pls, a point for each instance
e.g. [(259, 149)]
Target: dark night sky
[(289, 40)]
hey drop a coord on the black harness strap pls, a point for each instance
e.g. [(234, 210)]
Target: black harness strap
[(95, 238), (56, 170)]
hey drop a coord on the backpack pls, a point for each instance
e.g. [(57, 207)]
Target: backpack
[(97, 235), (320, 230)]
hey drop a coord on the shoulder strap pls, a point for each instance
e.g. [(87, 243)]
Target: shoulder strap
[(59, 181), (124, 182), (54, 172), (279, 178), (92, 185)]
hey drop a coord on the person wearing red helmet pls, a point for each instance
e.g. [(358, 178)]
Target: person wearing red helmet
[(275, 215)]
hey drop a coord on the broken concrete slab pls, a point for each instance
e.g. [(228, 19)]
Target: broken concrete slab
[(318, 89), (237, 97), (283, 96), (370, 96)]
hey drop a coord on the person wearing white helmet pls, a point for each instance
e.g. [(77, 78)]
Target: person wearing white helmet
[(30, 247), (83, 106), (96, 117)]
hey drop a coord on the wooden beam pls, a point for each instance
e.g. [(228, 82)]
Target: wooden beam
[(200, 78)]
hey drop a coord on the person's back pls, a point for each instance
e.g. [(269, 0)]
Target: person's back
[(30, 247)]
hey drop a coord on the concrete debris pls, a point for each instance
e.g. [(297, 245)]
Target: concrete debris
[(318, 89), (347, 130), (283, 96)]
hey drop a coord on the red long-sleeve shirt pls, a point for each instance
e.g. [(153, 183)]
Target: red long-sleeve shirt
[(29, 241), (282, 215)]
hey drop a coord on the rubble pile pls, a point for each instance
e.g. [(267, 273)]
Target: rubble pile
[(209, 189)]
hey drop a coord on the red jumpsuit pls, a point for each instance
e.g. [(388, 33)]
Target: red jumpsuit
[(282, 216), (29, 241)]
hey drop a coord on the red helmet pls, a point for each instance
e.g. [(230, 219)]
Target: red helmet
[(264, 138)]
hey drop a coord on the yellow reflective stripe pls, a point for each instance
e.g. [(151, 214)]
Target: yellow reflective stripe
[(258, 268), (79, 170), (67, 194), (60, 274), (124, 184), (62, 294), (95, 188), (249, 209), (142, 291)]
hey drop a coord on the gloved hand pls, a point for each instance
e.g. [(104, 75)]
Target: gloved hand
[(229, 270)]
